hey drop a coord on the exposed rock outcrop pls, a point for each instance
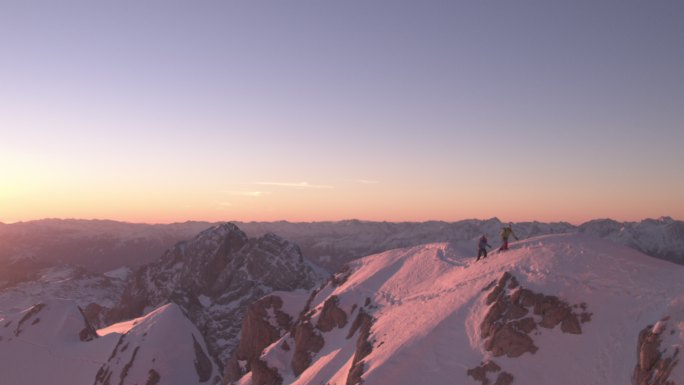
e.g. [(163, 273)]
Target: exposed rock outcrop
[(505, 330), (341, 276), (363, 323), (203, 365), (653, 365), (331, 316), (96, 314), (480, 374), (31, 314), (266, 341), (514, 312), (88, 333), (307, 341), (263, 375), (258, 331), (153, 378)]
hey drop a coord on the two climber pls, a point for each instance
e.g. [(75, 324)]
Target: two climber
[(483, 243)]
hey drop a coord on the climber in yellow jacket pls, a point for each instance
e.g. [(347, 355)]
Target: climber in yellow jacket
[(505, 233)]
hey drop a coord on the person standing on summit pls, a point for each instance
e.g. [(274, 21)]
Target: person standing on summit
[(482, 247), (505, 233)]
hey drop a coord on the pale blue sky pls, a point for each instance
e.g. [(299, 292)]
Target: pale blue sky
[(438, 99)]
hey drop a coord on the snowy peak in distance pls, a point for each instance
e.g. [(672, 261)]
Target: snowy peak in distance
[(662, 237), (213, 278), (562, 309)]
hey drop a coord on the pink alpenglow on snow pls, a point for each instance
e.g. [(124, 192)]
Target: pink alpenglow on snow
[(563, 309)]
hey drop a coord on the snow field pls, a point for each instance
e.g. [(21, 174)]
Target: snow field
[(428, 302)]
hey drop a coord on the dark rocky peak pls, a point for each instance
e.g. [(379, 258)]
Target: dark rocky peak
[(221, 239), (195, 265), (278, 246), (226, 235), (214, 277)]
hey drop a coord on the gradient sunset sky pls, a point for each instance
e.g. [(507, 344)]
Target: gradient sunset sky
[(163, 111)]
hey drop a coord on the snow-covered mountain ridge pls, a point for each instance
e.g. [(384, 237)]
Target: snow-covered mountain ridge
[(562, 309)]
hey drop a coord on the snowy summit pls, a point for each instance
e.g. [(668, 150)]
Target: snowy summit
[(562, 309)]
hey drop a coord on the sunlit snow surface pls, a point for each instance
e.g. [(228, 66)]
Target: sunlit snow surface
[(430, 303), (49, 350)]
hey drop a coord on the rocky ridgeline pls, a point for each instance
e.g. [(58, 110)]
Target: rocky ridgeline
[(655, 364), (514, 312), (299, 339), (214, 278)]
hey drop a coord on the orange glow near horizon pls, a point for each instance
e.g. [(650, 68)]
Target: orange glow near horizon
[(373, 203), (32, 189)]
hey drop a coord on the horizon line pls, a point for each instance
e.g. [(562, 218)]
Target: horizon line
[(662, 217)]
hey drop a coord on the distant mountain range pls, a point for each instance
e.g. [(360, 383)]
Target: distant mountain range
[(100, 246)]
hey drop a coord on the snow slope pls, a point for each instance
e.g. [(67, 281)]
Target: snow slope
[(162, 347), (52, 343), (45, 345), (429, 303)]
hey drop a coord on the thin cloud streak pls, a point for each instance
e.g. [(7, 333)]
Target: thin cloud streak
[(295, 185), (255, 194)]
